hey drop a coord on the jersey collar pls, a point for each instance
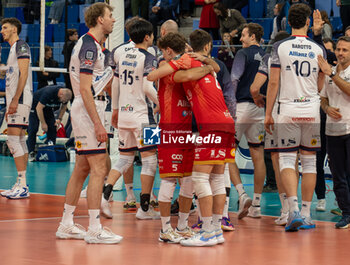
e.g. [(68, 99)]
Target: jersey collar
[(92, 37)]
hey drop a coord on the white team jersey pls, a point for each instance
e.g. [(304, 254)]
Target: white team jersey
[(337, 99), (297, 58), (134, 107), (19, 50), (88, 58)]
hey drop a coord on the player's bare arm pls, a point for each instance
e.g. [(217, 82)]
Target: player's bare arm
[(164, 70), (192, 74), (258, 82), (39, 111), (332, 112), (205, 60), (272, 90), (115, 101)]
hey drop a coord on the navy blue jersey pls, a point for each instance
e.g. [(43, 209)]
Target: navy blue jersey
[(47, 96)]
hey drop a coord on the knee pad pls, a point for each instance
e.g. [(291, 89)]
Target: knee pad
[(166, 190), (217, 184), (308, 163), (14, 144), (186, 189), (24, 143), (287, 160), (149, 165), (201, 184), (123, 163), (227, 176)]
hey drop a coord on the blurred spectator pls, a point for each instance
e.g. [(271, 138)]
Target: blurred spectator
[(67, 52), (270, 8), (56, 11), (327, 30), (347, 31), (329, 44), (276, 11), (48, 78), (31, 11), (186, 8), (344, 6), (237, 4), (160, 11), (208, 20), (226, 54), (231, 20), (140, 8)]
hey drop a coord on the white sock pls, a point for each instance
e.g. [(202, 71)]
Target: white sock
[(217, 218), (305, 208), (130, 191), (94, 221), (182, 222), (240, 189), (293, 204), (198, 208), (256, 199), (207, 224), (21, 179), (284, 202), (165, 223), (225, 212), (68, 213)]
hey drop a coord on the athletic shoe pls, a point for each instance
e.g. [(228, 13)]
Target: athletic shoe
[(75, 231), (102, 236), (219, 236), (193, 209), (283, 219), (201, 239), (106, 208), (151, 214), (244, 203), (337, 211), (83, 193), (170, 236), (130, 205), (307, 223), (270, 189), (226, 224), (321, 205), (343, 222), (32, 157), (174, 209), (153, 202), (185, 233), (254, 211), (19, 193), (294, 222), (198, 226), (7, 192)]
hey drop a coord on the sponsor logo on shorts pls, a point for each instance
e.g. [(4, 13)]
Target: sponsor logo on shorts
[(313, 142), (176, 156), (261, 137), (127, 108), (78, 144), (301, 99), (303, 119), (233, 152)]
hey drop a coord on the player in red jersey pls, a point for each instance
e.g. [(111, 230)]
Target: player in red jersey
[(214, 122)]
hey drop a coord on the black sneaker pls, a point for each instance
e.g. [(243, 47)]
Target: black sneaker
[(270, 189), (175, 208), (344, 222)]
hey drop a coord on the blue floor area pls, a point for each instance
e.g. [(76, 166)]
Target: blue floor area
[(52, 178)]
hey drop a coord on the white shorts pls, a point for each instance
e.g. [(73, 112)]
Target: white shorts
[(250, 122), (131, 140), (294, 133), (83, 128), (108, 124), (20, 118), (271, 140)]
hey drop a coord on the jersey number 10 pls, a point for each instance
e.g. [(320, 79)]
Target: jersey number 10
[(303, 69)]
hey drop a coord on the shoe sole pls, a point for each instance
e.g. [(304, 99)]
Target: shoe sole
[(342, 227), (66, 236), (106, 215), (306, 227), (147, 218), (320, 210), (167, 241), (19, 198), (336, 213), (246, 206), (294, 226), (227, 228), (98, 241), (221, 241), (203, 245)]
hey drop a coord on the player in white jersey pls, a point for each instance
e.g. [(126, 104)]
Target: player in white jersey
[(89, 77), (132, 99), (294, 65), (19, 96)]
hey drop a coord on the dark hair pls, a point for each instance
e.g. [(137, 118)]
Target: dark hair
[(256, 29), (298, 14), (222, 8), (93, 12), (71, 32), (47, 48), (279, 7), (198, 39), (281, 36), (139, 30), (347, 28), (14, 22), (130, 21), (343, 38), (175, 41), (326, 40)]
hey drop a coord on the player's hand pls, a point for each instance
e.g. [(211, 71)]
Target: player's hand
[(13, 107), (269, 124), (197, 56), (58, 123), (156, 109), (6, 116), (188, 48), (318, 22), (44, 127), (45, 73), (338, 3), (115, 119), (323, 64), (334, 113), (101, 133), (233, 33), (259, 100)]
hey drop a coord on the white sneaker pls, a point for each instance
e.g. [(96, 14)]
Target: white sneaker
[(75, 231), (19, 192), (31, 157), (244, 203), (7, 192), (102, 236), (321, 205), (254, 211), (170, 236), (219, 236), (106, 208), (83, 193), (151, 214), (185, 233), (201, 239), (283, 219)]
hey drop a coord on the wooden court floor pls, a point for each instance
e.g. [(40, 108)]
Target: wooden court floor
[(27, 233)]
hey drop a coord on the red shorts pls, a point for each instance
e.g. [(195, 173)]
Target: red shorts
[(175, 162)]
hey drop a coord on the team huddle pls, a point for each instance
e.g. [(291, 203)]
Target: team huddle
[(204, 112)]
